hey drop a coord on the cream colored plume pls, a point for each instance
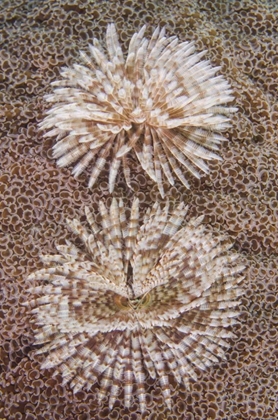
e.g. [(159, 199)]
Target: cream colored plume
[(161, 103), (138, 300)]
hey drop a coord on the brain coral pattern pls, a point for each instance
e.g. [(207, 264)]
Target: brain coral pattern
[(238, 197)]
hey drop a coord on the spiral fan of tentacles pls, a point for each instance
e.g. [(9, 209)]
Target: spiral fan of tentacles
[(163, 104), (138, 299)]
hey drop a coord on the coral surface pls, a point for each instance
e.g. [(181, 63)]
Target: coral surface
[(238, 197)]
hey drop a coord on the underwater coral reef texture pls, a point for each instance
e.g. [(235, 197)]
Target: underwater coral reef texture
[(238, 198)]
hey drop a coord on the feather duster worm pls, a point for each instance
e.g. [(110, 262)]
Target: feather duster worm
[(139, 299)]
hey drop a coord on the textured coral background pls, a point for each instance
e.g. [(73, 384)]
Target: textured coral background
[(238, 198)]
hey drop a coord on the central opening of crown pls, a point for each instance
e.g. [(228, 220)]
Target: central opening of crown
[(127, 304)]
